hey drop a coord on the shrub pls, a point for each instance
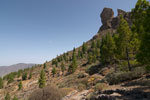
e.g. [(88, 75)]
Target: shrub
[(81, 87), (82, 75), (47, 93), (100, 86), (54, 71), (20, 85), (118, 77)]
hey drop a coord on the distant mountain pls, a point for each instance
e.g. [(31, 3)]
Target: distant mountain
[(12, 68)]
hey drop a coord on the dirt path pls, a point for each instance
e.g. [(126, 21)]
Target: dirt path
[(75, 95)]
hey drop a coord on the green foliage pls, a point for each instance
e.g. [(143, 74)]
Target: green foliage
[(64, 57), (20, 85), (123, 38), (98, 43), (54, 71), (30, 75), (118, 77), (62, 67), (107, 49), (73, 65), (127, 42), (15, 98), (93, 44), (10, 77), (141, 22), (80, 54), (19, 73), (147, 68), (54, 62), (42, 79), (7, 97), (84, 48), (1, 83), (139, 14), (45, 65), (24, 76), (91, 58)]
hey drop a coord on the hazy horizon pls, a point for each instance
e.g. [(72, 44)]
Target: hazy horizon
[(35, 31)]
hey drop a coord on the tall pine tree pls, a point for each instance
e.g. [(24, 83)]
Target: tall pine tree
[(126, 42), (107, 49), (144, 54), (42, 79)]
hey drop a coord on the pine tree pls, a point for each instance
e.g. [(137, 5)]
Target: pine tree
[(84, 48), (73, 65), (126, 41), (144, 52), (74, 49), (80, 54), (62, 67), (7, 97), (139, 14), (10, 78), (98, 43), (54, 71), (30, 75), (20, 85), (90, 58), (19, 73), (45, 65), (1, 83), (64, 56), (93, 44), (107, 49), (24, 76), (42, 79)]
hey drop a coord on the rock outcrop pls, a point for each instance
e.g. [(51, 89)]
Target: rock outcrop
[(111, 22)]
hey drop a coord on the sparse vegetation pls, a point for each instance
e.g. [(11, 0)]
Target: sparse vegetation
[(20, 85), (54, 71), (1, 83), (100, 86), (51, 92), (24, 76), (7, 97), (15, 98), (42, 79)]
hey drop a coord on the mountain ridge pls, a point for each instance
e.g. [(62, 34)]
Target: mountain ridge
[(15, 67)]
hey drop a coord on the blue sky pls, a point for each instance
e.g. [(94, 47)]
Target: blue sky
[(33, 31)]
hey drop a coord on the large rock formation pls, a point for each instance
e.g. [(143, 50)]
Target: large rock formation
[(111, 22)]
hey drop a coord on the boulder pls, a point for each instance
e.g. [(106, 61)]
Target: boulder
[(106, 15)]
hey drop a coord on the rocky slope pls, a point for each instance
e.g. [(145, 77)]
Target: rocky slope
[(89, 81)]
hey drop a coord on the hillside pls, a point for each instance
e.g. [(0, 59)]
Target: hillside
[(12, 68), (111, 66)]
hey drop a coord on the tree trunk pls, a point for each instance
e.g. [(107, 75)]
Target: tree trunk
[(128, 59)]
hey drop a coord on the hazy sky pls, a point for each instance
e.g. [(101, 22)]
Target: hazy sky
[(33, 31)]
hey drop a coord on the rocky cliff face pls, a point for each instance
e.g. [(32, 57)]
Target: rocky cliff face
[(111, 22)]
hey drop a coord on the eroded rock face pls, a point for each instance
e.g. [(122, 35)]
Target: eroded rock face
[(106, 18), (107, 15), (111, 22)]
